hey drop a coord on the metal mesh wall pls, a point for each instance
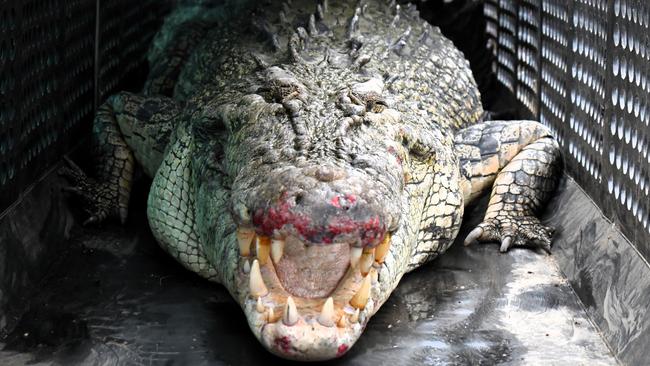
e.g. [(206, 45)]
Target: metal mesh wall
[(47, 75), (581, 67), (627, 138), (126, 29)]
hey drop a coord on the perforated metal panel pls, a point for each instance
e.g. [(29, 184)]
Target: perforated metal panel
[(513, 28), (506, 41), (554, 66), (47, 75), (79, 40), (125, 30), (587, 69), (40, 109), (528, 45), (582, 68), (626, 138), (8, 92)]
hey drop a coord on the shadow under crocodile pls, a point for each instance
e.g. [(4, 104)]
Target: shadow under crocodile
[(117, 298)]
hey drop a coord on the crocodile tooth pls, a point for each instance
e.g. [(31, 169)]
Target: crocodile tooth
[(382, 249), (326, 317), (263, 248), (375, 276), (312, 26), (366, 261), (277, 248), (354, 317), (270, 315), (259, 306), (360, 299), (244, 239), (343, 322), (290, 312), (355, 255), (247, 266), (256, 283)]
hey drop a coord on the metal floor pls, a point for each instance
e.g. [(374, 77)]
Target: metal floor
[(117, 299)]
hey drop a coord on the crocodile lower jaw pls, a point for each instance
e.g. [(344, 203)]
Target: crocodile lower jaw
[(293, 322)]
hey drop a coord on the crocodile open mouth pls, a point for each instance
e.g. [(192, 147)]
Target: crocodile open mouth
[(294, 281), (311, 271)]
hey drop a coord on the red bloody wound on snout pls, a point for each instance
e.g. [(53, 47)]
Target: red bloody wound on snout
[(276, 217), (349, 200), (342, 349), (284, 343)]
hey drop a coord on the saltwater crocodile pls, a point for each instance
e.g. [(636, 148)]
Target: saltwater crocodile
[(307, 155)]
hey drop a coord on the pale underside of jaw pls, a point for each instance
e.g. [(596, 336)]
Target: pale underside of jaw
[(317, 293)]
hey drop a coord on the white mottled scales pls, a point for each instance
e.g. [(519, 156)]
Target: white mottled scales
[(170, 209)]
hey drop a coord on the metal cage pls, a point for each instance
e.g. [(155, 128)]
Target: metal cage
[(57, 59), (581, 68)]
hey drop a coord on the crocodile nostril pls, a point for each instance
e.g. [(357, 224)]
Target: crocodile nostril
[(329, 173), (298, 198)]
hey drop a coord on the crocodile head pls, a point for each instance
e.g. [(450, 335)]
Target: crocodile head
[(318, 176)]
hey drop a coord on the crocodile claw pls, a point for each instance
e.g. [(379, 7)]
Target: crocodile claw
[(473, 236), (513, 231), (99, 200), (505, 244)]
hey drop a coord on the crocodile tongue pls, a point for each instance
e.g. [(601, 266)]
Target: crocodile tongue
[(312, 271)]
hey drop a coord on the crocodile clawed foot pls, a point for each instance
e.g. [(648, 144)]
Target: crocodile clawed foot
[(513, 231), (99, 200)]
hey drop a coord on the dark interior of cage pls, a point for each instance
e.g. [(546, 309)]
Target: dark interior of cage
[(75, 294)]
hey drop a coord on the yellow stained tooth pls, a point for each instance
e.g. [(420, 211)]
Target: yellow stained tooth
[(270, 315), (326, 317), (277, 249), (382, 249), (354, 317), (343, 322), (355, 255), (290, 313), (259, 306), (360, 299), (366, 261), (375, 276), (256, 283), (263, 249), (244, 239)]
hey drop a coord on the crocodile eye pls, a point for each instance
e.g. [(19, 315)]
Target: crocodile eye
[(376, 105), (369, 95), (282, 93), (351, 104), (282, 87)]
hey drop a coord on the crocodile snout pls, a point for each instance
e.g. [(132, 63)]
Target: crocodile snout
[(321, 216)]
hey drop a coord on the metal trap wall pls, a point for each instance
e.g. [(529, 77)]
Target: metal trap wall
[(56, 58), (582, 67)]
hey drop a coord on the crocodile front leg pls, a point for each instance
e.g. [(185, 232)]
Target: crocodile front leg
[(127, 127), (520, 161), (107, 193)]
